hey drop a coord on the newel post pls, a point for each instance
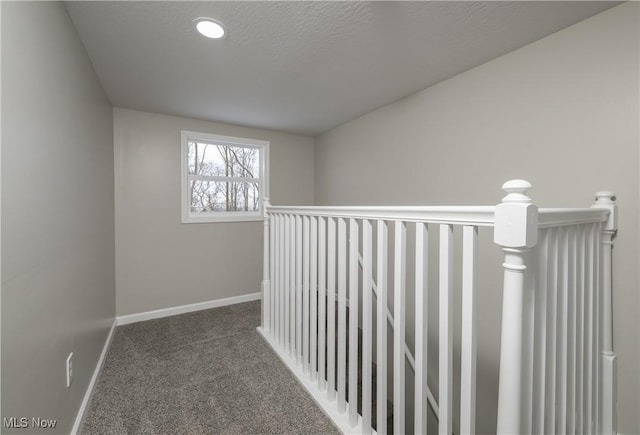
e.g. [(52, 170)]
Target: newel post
[(266, 285), (606, 200), (516, 231)]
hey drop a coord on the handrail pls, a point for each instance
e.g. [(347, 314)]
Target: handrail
[(557, 217), (407, 352), (453, 215)]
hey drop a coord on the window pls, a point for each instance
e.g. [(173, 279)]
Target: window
[(223, 178)]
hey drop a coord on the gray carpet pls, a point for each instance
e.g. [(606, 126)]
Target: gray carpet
[(200, 373)]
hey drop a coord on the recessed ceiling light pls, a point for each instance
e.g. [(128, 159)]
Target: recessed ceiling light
[(210, 28)]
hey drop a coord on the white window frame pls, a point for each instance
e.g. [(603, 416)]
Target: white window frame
[(234, 216)]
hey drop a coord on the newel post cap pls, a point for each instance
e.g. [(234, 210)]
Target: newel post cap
[(516, 218), (265, 205), (604, 197), (607, 200), (516, 191)]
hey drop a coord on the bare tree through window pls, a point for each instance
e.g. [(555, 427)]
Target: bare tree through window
[(223, 178)]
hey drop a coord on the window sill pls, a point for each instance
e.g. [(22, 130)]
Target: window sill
[(228, 217)]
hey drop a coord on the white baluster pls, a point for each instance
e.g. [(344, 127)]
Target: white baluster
[(399, 297), (342, 314), (287, 283), (580, 328), (516, 230), (305, 295), (528, 344), (445, 402), (292, 280), (591, 331), (381, 322), (367, 332), (274, 273), (282, 295), (313, 292), (299, 290), (421, 324), (322, 302), (561, 423), (571, 333), (277, 290), (552, 331), (331, 310), (353, 322), (540, 328), (468, 357), (598, 321)]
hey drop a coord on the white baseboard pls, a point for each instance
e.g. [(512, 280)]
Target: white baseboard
[(181, 309), (77, 425)]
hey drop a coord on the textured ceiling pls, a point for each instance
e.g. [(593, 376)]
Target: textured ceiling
[(302, 67)]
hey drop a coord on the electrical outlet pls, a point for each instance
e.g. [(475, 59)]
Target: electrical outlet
[(69, 369)]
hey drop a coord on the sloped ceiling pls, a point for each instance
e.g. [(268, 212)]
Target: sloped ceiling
[(302, 67)]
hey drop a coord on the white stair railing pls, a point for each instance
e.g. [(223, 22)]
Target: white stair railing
[(300, 283), (555, 273)]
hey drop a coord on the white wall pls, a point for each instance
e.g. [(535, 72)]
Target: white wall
[(561, 112), (58, 287), (161, 262)]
